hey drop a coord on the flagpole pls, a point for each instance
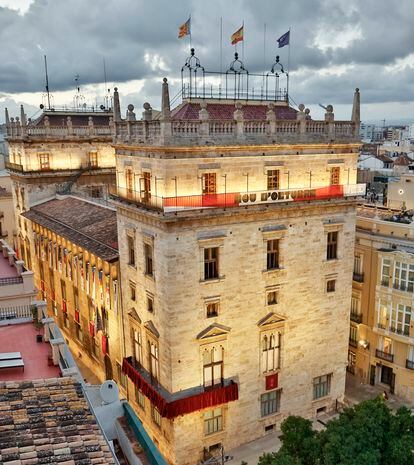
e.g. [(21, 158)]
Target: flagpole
[(243, 43), (221, 51), (288, 76), (190, 31), (264, 54)]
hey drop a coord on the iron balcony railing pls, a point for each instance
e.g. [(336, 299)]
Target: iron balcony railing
[(353, 342), (407, 287), (384, 355), (234, 199), (385, 282), (402, 331), (409, 364), (358, 277), (356, 317)]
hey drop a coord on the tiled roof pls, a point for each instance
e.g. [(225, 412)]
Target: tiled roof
[(86, 224), (403, 160), (225, 111), (49, 422)]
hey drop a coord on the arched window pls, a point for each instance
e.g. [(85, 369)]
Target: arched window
[(271, 352), (213, 366)]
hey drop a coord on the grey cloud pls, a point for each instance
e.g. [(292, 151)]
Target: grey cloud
[(76, 35)]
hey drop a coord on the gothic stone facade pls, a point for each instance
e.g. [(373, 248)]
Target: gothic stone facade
[(257, 294)]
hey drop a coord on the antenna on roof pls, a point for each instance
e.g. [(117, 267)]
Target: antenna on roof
[(47, 84), (322, 106)]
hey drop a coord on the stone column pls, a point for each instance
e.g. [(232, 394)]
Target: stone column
[(329, 118), (239, 118), (271, 117), (69, 126), (356, 112), (56, 343), (203, 116)]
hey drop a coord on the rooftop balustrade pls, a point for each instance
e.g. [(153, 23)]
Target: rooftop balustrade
[(229, 132)]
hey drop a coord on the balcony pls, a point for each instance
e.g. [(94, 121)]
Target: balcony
[(358, 277), (405, 287), (409, 364), (356, 317), (353, 342), (384, 355), (180, 403), (234, 199), (401, 331), (56, 171)]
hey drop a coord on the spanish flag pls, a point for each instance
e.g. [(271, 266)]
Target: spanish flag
[(237, 36), (185, 29)]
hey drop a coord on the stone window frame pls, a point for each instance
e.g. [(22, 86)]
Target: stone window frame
[(148, 240), (151, 340), (131, 235), (273, 233), (149, 297), (209, 243), (222, 421), (270, 289), (132, 290), (212, 300), (278, 392), (136, 327), (329, 228), (319, 381)]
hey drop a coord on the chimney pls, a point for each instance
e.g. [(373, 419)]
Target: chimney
[(165, 101), (117, 106), (356, 111)]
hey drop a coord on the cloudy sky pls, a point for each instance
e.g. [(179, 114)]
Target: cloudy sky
[(336, 45)]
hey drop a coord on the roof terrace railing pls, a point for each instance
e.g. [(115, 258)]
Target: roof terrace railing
[(234, 199)]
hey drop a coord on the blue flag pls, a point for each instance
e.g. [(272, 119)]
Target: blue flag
[(284, 39)]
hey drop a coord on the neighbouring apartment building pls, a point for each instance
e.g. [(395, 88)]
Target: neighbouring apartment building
[(381, 340), (75, 258), (59, 152), (7, 218), (17, 288), (236, 220)]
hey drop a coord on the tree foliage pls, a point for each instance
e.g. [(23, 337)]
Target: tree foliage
[(368, 433)]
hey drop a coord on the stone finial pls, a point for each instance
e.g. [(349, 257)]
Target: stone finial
[(165, 100), (238, 112), (147, 113), (90, 122), (270, 114), (117, 106), (6, 114), (46, 121), (300, 115), (307, 113), (203, 113), (23, 116), (329, 115), (130, 113), (356, 109)]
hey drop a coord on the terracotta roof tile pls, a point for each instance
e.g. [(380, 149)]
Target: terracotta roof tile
[(40, 421), (225, 111), (86, 224)]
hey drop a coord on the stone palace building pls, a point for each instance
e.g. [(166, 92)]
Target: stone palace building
[(235, 218)]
